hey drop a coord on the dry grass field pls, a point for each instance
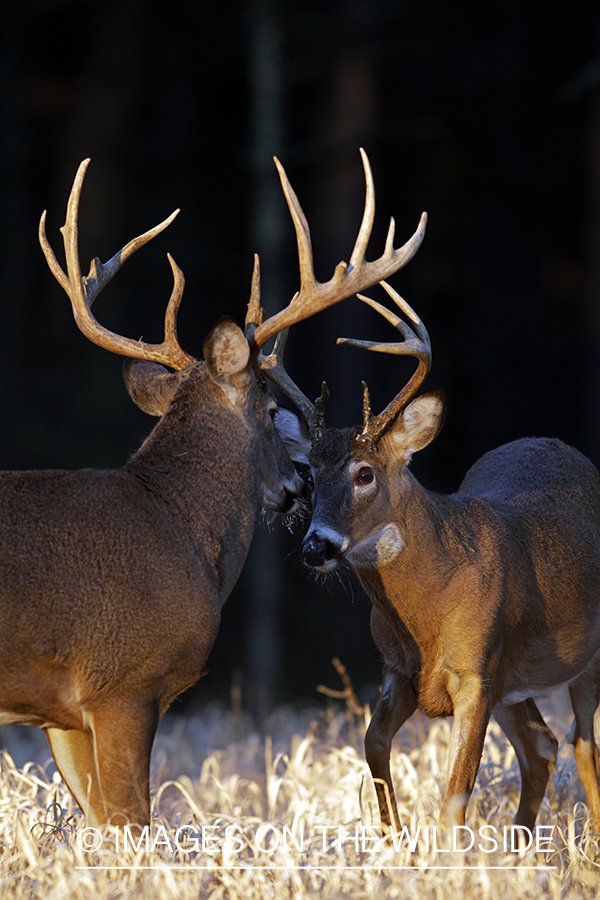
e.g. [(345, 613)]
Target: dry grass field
[(291, 815)]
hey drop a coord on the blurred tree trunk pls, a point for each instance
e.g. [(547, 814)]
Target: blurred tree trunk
[(347, 125), (592, 431), (17, 247), (266, 576)]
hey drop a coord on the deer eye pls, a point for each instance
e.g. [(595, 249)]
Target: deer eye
[(309, 481), (272, 410), (365, 475)]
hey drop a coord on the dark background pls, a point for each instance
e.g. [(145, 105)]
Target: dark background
[(489, 119)]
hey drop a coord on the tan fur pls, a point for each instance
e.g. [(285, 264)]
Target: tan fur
[(492, 595), (112, 582)]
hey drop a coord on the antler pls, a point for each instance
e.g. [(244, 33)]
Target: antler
[(416, 343), (314, 296), (272, 366), (348, 278), (83, 291)]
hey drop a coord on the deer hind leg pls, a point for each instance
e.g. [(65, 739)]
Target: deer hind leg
[(107, 768), (396, 704), (585, 694), (536, 749)]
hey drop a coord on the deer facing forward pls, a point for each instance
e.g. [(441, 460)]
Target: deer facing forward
[(481, 599)]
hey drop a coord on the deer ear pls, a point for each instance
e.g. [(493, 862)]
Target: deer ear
[(150, 385), (293, 431), (227, 354), (418, 424)]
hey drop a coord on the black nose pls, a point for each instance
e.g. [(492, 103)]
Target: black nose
[(317, 550)]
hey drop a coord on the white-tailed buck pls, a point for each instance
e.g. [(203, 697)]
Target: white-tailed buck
[(481, 599), (112, 582)]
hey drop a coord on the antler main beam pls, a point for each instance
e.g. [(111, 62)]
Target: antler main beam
[(82, 291)]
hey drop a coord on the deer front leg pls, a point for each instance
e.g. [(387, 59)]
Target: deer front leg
[(107, 766), (396, 704), (472, 708), (536, 747), (73, 753)]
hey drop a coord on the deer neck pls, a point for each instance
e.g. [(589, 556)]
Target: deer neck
[(432, 541), (200, 466)]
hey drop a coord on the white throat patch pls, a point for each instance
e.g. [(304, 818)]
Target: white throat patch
[(378, 549)]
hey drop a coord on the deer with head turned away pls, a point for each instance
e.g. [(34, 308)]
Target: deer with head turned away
[(112, 581), (481, 599)]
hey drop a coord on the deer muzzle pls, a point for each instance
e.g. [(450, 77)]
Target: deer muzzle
[(323, 548)]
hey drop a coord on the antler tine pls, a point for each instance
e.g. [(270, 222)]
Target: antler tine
[(412, 315), (255, 313), (366, 226), (83, 291), (305, 256), (101, 273), (366, 406), (416, 343), (273, 368), (347, 279), (172, 310)]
